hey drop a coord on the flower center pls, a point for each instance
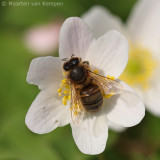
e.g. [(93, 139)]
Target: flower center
[(64, 91), (140, 67)]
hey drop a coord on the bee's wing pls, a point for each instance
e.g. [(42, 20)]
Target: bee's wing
[(77, 110), (107, 85), (116, 87)]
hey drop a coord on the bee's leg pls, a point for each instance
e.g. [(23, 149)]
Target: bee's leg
[(72, 55), (86, 62), (91, 80)]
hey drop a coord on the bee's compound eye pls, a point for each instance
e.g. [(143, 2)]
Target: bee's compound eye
[(66, 66), (75, 61)]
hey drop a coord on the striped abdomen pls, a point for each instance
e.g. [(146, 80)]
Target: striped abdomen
[(91, 98)]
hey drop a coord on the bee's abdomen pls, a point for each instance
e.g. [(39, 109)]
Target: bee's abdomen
[(91, 97)]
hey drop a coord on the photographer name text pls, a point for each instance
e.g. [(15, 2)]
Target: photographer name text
[(32, 4)]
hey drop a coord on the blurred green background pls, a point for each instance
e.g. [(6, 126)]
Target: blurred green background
[(141, 142)]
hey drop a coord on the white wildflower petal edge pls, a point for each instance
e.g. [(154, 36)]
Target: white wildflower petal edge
[(116, 127), (144, 23), (45, 71), (75, 38), (109, 54), (47, 113), (101, 20), (91, 134), (125, 109)]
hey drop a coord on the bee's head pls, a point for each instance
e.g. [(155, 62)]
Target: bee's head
[(71, 63)]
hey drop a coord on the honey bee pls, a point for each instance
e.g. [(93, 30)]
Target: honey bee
[(89, 88)]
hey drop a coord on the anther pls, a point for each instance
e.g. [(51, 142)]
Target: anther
[(95, 71), (111, 77)]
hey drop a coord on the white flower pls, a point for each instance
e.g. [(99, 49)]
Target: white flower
[(108, 54), (143, 32)]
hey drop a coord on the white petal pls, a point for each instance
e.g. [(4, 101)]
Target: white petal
[(109, 54), (116, 127), (100, 20), (45, 71), (47, 113), (152, 101), (43, 39), (125, 109), (91, 134), (75, 38), (151, 96), (144, 24)]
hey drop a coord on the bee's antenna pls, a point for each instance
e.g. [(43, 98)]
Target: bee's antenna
[(64, 59), (72, 55)]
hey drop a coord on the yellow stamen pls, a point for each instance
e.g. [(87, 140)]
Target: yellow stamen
[(69, 97), (111, 77), (64, 81), (64, 102), (95, 71), (59, 90), (140, 67), (61, 85), (65, 91), (65, 98), (60, 94), (67, 86), (108, 95)]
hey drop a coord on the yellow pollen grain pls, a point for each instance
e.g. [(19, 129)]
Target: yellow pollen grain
[(60, 94), (59, 90), (64, 102), (111, 77), (65, 92), (61, 85), (64, 81), (108, 95), (65, 98), (69, 97), (67, 86), (95, 71)]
